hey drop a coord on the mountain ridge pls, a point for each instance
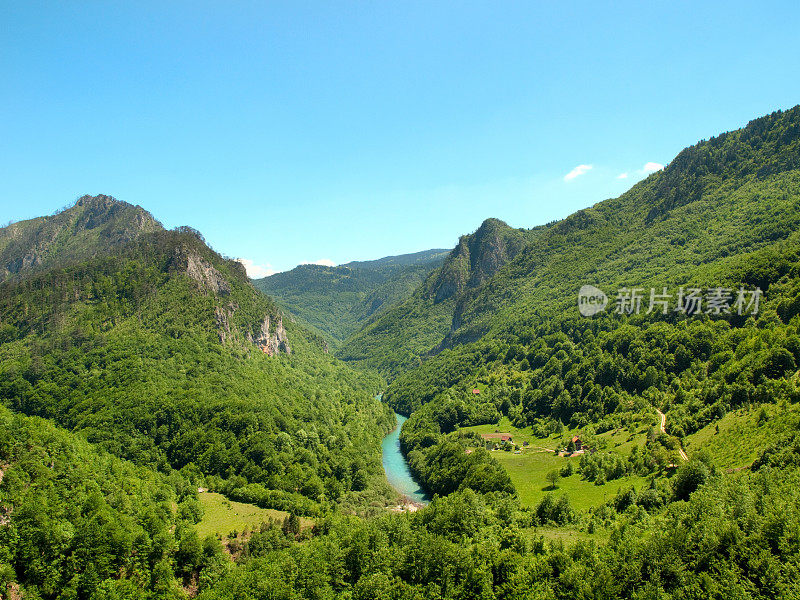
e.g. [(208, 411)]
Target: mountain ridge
[(173, 360), (659, 449), (337, 301), (93, 224), (407, 327), (761, 154)]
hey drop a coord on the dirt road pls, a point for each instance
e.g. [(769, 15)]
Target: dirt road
[(663, 430)]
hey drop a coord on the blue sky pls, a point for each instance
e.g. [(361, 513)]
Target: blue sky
[(305, 131)]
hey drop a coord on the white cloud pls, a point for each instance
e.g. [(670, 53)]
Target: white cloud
[(622, 175), (255, 271), (652, 167), (579, 170), (325, 262)]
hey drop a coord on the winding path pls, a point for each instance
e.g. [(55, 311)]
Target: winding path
[(663, 430)]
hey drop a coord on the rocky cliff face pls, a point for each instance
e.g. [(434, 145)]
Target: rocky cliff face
[(272, 342), (476, 258), (269, 336), (223, 317), (204, 273), (268, 339)]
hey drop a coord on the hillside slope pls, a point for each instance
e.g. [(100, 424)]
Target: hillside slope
[(93, 225), (162, 352), (723, 219), (337, 301), (402, 335), (691, 223), (76, 521)]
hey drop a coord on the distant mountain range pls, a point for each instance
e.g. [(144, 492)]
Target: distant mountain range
[(338, 301), (398, 338)]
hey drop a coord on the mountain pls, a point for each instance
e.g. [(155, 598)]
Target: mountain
[(654, 448), (159, 350), (93, 225), (403, 334), (475, 259), (721, 223), (422, 258), (337, 301), (712, 203)]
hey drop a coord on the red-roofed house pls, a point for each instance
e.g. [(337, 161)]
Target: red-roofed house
[(503, 437)]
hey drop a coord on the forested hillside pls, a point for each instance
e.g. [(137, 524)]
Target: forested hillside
[(700, 217), (724, 215), (399, 338), (732, 538), (667, 421), (76, 522), (719, 358), (338, 301), (163, 353)]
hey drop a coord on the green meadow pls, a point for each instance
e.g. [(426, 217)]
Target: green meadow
[(222, 516), (528, 470), (737, 439), (568, 535)]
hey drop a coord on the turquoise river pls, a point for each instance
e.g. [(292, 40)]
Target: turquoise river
[(397, 472)]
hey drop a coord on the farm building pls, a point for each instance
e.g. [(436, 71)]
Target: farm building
[(501, 437)]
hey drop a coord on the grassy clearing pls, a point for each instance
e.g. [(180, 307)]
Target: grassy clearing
[(221, 516), (568, 536), (519, 435), (620, 440), (528, 469), (737, 439)]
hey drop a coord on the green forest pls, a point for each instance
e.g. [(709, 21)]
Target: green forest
[(141, 372), (128, 351), (339, 301)]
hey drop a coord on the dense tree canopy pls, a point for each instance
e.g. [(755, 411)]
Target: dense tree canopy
[(131, 350)]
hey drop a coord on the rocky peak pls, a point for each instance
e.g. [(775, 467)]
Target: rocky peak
[(99, 203), (91, 226), (125, 220), (476, 258)]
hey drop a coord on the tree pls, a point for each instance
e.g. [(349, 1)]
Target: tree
[(688, 478), (553, 477), (291, 525), (190, 551)]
